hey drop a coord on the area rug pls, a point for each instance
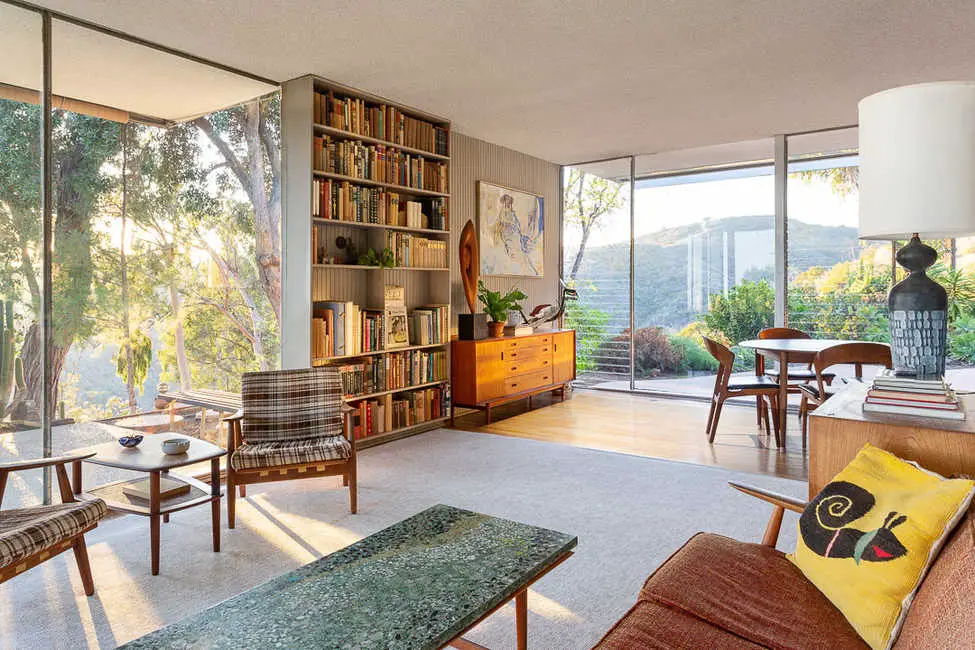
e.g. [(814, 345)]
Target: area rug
[(629, 513)]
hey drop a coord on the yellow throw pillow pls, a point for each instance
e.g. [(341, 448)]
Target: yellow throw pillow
[(869, 536)]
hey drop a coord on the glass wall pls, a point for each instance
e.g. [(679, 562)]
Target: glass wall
[(596, 237), (165, 251), (704, 265), (21, 248)]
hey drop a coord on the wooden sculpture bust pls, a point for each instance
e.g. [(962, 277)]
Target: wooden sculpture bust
[(473, 326), (470, 263)]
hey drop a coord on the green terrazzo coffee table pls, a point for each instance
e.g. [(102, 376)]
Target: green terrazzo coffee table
[(421, 583)]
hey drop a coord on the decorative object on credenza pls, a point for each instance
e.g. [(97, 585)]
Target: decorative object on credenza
[(497, 306), (131, 440), (472, 326), (175, 446), (917, 161), (548, 313), (511, 224)]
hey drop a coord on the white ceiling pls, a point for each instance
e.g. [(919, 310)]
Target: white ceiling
[(575, 80)]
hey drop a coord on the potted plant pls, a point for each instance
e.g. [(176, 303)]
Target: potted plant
[(497, 306)]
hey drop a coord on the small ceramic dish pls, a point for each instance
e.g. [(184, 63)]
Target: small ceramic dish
[(131, 440), (175, 446)]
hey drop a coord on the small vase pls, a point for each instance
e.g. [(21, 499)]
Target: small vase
[(496, 329)]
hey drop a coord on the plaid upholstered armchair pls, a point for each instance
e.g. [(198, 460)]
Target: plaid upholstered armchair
[(293, 424), (30, 536)]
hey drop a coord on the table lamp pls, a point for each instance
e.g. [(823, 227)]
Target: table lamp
[(917, 179)]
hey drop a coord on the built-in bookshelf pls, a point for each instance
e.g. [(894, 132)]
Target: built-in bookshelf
[(380, 217)]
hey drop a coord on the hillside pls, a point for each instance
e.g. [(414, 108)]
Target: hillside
[(739, 246)]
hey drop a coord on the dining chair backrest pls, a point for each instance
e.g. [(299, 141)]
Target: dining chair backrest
[(782, 333), (726, 361), (785, 333), (855, 354)]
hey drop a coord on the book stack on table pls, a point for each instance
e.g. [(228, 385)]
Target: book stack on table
[(929, 398)]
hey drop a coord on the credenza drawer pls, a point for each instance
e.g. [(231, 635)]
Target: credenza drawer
[(527, 382), (517, 367), (519, 343), (519, 354)]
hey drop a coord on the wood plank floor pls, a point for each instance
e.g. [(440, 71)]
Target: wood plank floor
[(649, 426)]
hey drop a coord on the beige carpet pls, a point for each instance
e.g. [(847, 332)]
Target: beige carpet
[(629, 513)]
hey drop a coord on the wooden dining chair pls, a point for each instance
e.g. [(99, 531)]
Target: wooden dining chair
[(800, 365), (855, 354), (763, 388)]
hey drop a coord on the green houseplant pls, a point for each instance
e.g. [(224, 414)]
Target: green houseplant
[(497, 306)]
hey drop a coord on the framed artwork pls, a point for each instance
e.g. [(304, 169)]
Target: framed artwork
[(511, 230)]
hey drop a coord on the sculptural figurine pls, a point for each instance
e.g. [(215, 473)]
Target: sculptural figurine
[(470, 263), (547, 313)]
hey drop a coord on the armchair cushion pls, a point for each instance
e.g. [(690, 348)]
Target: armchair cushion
[(650, 625), (287, 405), (751, 591), (26, 531), (265, 455)]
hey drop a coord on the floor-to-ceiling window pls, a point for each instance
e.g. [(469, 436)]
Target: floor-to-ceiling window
[(596, 235), (164, 226)]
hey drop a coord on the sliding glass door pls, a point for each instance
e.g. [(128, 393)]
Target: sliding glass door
[(597, 245)]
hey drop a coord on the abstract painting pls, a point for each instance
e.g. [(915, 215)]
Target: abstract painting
[(511, 228)]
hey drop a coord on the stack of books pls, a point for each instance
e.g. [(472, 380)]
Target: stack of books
[(929, 398)]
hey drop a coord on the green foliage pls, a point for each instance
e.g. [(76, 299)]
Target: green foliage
[(961, 339), (497, 306), (747, 309), (960, 286), (141, 359), (385, 260), (590, 326), (693, 357), (7, 336), (846, 301)]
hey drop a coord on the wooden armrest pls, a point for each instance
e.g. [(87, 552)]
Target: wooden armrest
[(19, 465), (776, 499), (346, 409), (239, 415)]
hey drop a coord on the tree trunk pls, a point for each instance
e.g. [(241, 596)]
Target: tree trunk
[(27, 401), (257, 320), (182, 365), (126, 326), (582, 249)]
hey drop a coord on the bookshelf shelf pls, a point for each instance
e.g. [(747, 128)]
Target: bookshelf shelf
[(363, 267), (350, 310), (379, 226), (349, 135), (327, 360), (402, 189), (405, 389), (395, 434)]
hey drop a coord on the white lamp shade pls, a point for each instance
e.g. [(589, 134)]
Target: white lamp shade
[(917, 162)]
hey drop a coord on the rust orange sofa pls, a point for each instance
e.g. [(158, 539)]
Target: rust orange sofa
[(720, 593)]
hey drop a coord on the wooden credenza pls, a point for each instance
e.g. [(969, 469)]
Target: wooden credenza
[(490, 372)]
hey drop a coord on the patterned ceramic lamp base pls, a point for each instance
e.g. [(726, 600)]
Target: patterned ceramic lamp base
[(917, 341)]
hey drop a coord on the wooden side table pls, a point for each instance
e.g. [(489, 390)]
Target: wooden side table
[(839, 428), (149, 458)]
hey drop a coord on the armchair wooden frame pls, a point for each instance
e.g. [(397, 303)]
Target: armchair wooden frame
[(780, 503), (76, 542), (855, 354), (238, 479)]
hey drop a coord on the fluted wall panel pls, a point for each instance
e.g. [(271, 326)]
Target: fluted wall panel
[(473, 160)]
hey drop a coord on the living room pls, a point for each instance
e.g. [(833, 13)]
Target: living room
[(507, 326)]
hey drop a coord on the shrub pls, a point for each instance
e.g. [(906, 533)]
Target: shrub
[(590, 326), (692, 356), (747, 309), (961, 339)]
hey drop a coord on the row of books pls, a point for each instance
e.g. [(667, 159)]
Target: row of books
[(345, 201), (393, 371), (931, 398), (430, 325), (378, 163), (344, 328), (415, 251), (392, 412), (379, 121)]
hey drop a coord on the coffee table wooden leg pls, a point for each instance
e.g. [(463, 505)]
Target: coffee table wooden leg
[(521, 618), (215, 505), (154, 520)]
